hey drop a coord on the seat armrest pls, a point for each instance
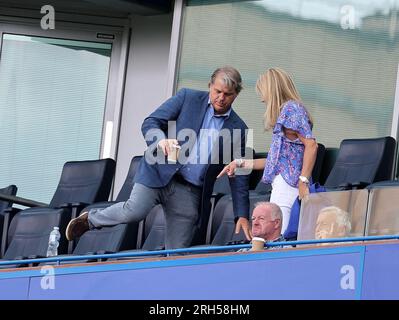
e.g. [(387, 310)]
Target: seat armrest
[(73, 205), (77, 208), (80, 204), (359, 185), (104, 252), (35, 256), (345, 186), (65, 206), (22, 201)]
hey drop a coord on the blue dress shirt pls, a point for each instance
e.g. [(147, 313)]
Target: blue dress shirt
[(194, 170)]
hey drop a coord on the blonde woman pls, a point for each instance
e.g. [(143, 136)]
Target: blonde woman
[(293, 150)]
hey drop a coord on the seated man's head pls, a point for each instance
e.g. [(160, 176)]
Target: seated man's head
[(332, 222), (266, 221)]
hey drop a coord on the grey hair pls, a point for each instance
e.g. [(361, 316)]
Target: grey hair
[(276, 210), (342, 217), (230, 76)]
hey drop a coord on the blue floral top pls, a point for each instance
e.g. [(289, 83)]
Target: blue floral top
[(285, 156)]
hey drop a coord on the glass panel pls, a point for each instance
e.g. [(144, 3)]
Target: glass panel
[(353, 202), (52, 99), (383, 211), (342, 54)]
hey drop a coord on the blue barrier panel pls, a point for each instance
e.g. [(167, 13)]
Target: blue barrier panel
[(14, 289), (381, 272), (364, 271), (296, 274)]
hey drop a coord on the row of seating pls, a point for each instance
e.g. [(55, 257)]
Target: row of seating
[(25, 233)]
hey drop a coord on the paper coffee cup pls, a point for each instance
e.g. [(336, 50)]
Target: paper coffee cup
[(173, 154), (258, 244)]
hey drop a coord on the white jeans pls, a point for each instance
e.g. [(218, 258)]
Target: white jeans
[(284, 196)]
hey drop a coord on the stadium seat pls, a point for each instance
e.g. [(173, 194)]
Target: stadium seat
[(153, 237), (114, 238), (222, 230), (31, 234), (330, 156), (361, 162), (81, 183)]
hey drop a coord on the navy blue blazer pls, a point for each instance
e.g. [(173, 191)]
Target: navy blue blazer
[(188, 108)]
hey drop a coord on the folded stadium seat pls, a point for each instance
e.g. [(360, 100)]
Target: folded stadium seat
[(114, 238), (361, 162), (221, 190), (105, 240), (382, 213), (81, 183), (153, 237), (256, 175), (224, 224), (318, 166), (216, 188), (330, 156)]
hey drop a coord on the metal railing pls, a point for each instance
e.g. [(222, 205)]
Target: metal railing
[(195, 250), (22, 201)]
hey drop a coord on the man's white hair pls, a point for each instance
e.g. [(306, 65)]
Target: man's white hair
[(276, 210), (342, 217)]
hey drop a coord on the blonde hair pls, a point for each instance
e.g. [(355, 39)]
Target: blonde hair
[(275, 88)]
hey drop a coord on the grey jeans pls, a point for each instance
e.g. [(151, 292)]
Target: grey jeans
[(179, 201)]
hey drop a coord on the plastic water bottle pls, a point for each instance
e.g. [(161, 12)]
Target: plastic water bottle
[(53, 242)]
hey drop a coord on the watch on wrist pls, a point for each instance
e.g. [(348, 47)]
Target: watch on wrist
[(304, 179)]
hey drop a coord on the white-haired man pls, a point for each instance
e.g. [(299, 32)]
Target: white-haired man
[(267, 220), (332, 222)]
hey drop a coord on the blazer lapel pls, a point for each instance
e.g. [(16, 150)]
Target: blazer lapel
[(230, 124), (199, 118)]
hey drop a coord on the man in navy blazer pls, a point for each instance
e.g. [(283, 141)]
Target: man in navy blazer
[(209, 133)]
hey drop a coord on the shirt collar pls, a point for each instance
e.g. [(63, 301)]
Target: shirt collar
[(224, 115), (279, 239)]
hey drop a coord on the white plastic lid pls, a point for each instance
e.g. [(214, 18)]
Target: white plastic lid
[(258, 239), (56, 228)]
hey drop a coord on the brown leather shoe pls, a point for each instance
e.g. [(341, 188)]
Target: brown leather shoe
[(76, 227)]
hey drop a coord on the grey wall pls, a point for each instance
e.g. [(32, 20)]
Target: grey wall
[(145, 87)]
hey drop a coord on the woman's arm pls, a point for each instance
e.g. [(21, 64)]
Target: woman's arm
[(254, 164), (309, 159)]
